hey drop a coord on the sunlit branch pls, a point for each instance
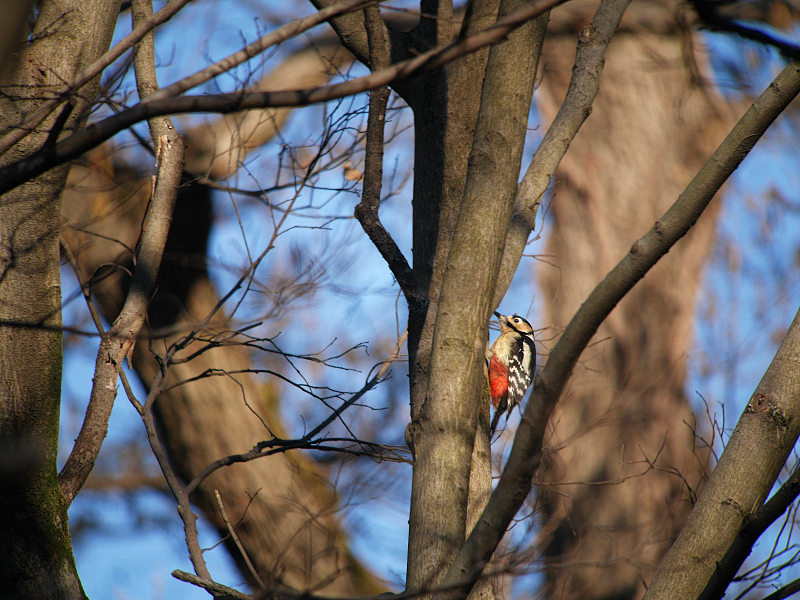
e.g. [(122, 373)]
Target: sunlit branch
[(754, 527), (97, 67), (283, 33), (593, 41)]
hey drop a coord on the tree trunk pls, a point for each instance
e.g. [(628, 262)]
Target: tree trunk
[(37, 552), (624, 470)]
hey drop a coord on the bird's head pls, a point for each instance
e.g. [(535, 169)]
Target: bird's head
[(514, 323)]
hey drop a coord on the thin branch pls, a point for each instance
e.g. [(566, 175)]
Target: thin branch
[(215, 589), (786, 591), (93, 135), (97, 67), (283, 33), (235, 539), (367, 210), (308, 439), (525, 458)]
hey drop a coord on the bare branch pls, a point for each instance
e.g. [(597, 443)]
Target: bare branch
[(97, 67), (786, 591), (216, 589), (290, 30), (754, 455), (81, 141), (525, 457), (367, 210), (119, 341), (307, 441), (593, 42), (235, 538), (754, 526)]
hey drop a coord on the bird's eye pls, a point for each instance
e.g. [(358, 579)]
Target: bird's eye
[(516, 320)]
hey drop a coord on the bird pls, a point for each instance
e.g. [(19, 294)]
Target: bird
[(512, 361)]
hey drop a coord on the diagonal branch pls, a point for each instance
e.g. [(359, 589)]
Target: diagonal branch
[(755, 525), (97, 67), (287, 31), (525, 458), (91, 136), (367, 210)]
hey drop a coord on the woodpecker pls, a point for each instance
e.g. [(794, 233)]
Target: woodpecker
[(512, 360)]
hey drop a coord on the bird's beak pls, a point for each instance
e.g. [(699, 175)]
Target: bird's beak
[(498, 315)]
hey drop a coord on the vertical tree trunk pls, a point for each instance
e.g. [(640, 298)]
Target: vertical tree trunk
[(445, 105), (37, 553), (623, 433)]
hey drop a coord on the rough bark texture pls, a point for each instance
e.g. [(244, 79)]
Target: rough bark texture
[(754, 456), (37, 553), (625, 408), (445, 113), (448, 420)]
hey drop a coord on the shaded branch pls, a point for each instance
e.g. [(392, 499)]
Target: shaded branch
[(786, 591), (91, 136), (283, 33), (367, 210), (715, 20), (525, 458)]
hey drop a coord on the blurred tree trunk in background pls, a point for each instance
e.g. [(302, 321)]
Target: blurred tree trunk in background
[(625, 411), (284, 509)]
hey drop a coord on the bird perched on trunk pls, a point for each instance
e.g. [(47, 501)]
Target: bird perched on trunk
[(512, 360)]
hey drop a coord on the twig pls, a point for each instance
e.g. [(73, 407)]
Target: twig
[(306, 441), (93, 135), (235, 539), (283, 33)]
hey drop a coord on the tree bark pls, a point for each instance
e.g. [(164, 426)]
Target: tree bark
[(754, 456), (623, 470), (37, 553), (448, 419)]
